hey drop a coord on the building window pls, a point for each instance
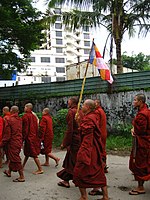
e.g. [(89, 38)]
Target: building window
[(59, 50), (59, 41), (58, 33), (60, 69), (46, 79), (18, 78), (87, 43), (60, 79), (45, 59), (58, 18), (58, 26), (86, 36), (34, 78), (86, 51), (86, 28), (32, 59), (59, 60), (57, 11)]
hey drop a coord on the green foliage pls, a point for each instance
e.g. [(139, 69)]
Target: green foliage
[(120, 137), (20, 32), (118, 142), (59, 126), (138, 62), (121, 129)]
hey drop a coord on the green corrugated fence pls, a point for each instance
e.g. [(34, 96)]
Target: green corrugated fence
[(122, 82)]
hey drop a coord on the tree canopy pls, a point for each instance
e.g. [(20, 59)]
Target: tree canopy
[(20, 32), (138, 62)]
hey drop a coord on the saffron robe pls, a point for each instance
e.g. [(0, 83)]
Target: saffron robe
[(89, 168), (71, 141), (30, 135), (46, 133), (12, 138), (103, 126), (141, 149)]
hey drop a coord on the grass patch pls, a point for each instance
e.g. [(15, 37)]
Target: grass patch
[(119, 143)]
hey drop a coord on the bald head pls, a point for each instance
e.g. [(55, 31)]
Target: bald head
[(88, 106), (46, 111), (28, 106), (14, 109), (141, 97), (97, 102), (5, 110)]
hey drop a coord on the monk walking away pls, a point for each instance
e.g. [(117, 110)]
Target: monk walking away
[(6, 114), (13, 139), (72, 142), (30, 137), (46, 135), (1, 149), (89, 168), (101, 115), (140, 156)]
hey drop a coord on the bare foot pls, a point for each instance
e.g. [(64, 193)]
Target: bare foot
[(57, 162), (45, 164), (38, 172)]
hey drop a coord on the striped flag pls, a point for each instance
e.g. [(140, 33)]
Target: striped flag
[(97, 60)]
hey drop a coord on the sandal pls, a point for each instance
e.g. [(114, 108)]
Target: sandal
[(6, 173), (95, 192), (136, 192), (19, 180), (62, 184)]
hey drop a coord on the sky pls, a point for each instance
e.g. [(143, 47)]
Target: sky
[(132, 46)]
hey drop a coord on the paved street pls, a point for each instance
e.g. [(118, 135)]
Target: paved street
[(44, 186)]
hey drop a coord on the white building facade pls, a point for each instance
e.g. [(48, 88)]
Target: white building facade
[(61, 48)]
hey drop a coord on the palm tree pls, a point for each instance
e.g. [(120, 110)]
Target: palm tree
[(118, 16)]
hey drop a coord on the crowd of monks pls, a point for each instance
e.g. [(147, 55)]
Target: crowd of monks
[(85, 137)]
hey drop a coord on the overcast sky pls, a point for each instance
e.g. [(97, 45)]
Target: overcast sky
[(132, 46)]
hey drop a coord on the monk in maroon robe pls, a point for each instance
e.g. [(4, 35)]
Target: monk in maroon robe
[(13, 139), (103, 126), (31, 139), (71, 141), (1, 131), (6, 114), (46, 135), (140, 156), (89, 168)]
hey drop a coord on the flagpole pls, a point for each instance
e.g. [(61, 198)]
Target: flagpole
[(83, 83)]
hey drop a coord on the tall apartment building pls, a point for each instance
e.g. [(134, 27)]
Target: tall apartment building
[(61, 48)]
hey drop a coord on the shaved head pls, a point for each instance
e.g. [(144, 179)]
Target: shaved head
[(90, 103), (14, 109), (6, 109), (29, 105), (46, 110)]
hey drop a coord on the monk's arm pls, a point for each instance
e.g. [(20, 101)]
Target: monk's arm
[(7, 133)]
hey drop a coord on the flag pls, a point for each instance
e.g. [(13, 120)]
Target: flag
[(97, 60)]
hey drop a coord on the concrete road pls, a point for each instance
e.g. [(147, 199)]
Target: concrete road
[(44, 186)]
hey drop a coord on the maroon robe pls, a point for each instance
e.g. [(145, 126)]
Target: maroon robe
[(103, 124), (89, 169), (12, 138), (71, 141), (30, 135), (141, 148), (5, 118), (46, 133)]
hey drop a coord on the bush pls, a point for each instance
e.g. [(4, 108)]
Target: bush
[(59, 126)]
